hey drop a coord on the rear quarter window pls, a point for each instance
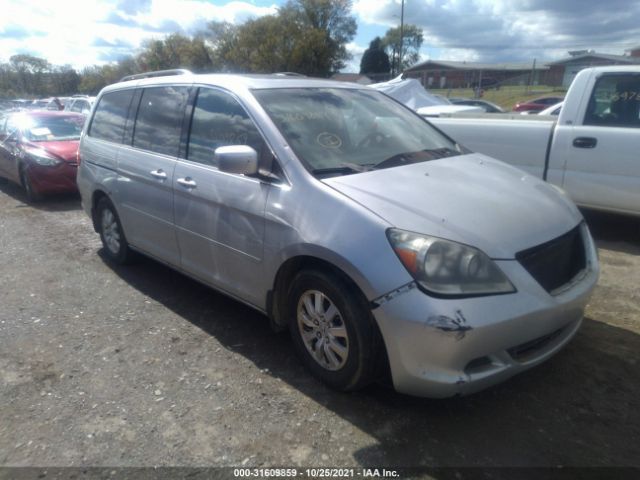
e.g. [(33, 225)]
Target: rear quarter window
[(110, 116)]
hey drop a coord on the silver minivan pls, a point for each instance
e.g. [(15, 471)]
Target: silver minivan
[(383, 245)]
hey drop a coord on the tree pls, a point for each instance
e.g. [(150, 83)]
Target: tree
[(221, 38), (412, 39), (29, 72), (327, 27), (375, 59), (304, 36), (175, 51)]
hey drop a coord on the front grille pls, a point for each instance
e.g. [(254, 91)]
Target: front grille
[(555, 263)]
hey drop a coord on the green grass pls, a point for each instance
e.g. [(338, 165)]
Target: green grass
[(506, 97)]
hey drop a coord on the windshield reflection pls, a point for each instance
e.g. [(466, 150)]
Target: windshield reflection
[(338, 131)]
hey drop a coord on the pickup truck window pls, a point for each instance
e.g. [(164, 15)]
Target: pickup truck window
[(615, 101)]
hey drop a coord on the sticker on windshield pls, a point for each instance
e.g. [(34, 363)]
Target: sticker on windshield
[(329, 140), (40, 132)]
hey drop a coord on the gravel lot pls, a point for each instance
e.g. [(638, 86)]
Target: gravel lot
[(139, 366)]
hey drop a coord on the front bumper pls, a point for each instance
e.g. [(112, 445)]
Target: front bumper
[(444, 347), (60, 178)]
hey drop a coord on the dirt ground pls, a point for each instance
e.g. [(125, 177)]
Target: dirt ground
[(140, 366)]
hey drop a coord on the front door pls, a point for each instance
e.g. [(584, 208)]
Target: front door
[(603, 161), (219, 216)]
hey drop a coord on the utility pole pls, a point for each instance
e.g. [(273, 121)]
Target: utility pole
[(532, 76), (401, 36)]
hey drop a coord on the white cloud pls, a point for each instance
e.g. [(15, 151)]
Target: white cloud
[(511, 30), (68, 32), (356, 51)]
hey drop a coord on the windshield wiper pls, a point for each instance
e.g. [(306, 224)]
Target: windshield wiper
[(343, 169), (416, 157)]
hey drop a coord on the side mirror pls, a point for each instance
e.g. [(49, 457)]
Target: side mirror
[(240, 159)]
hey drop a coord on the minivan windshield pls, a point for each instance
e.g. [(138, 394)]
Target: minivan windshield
[(338, 131)]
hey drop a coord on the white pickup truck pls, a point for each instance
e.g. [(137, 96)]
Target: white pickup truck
[(592, 151)]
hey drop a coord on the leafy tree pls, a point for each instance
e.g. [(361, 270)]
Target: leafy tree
[(329, 26), (260, 46), (221, 38), (375, 59), (412, 39), (29, 72), (175, 51), (304, 36)]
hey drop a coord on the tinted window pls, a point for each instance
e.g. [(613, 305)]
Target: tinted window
[(219, 120), (615, 102), (111, 114), (159, 121)]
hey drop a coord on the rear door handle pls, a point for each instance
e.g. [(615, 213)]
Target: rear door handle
[(161, 174), (187, 182), (585, 142)]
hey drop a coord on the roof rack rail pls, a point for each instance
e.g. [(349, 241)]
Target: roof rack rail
[(158, 73)]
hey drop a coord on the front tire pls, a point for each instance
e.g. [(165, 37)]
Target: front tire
[(111, 233), (31, 193), (333, 330)]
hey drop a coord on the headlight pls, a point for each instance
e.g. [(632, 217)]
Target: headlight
[(445, 268), (41, 157)]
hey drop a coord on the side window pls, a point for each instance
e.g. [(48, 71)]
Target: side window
[(615, 102), (159, 121), (219, 120), (111, 115)]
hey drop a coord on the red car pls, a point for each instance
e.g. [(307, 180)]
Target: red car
[(38, 150), (537, 104)]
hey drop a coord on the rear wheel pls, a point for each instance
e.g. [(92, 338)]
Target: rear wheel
[(111, 233), (32, 194), (333, 330)]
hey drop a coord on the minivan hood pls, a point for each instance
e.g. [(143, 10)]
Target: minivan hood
[(472, 199)]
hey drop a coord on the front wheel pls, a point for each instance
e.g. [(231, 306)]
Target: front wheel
[(32, 194), (111, 233), (333, 330)]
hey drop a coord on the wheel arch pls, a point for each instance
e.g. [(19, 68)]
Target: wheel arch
[(277, 296), (97, 195), (277, 301)]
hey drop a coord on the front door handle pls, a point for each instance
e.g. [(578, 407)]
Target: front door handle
[(161, 174), (585, 142), (187, 182)]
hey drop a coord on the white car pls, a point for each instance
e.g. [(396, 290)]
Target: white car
[(552, 110)]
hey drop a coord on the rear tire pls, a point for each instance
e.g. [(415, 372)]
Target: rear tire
[(111, 233), (333, 330)]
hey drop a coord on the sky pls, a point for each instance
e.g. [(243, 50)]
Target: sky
[(90, 32)]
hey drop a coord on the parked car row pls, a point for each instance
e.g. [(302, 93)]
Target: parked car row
[(75, 103)]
